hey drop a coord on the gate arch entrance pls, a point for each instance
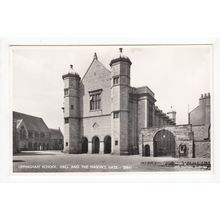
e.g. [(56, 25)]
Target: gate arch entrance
[(95, 145), (164, 144), (107, 145), (84, 145)]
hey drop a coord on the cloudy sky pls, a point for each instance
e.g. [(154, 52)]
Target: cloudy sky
[(178, 75)]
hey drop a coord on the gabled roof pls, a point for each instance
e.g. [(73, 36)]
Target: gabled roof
[(56, 134), (32, 123), (95, 61)]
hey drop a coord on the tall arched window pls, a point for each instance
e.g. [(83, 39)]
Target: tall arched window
[(84, 145), (95, 145), (107, 145)]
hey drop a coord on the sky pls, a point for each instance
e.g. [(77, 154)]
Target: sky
[(177, 74)]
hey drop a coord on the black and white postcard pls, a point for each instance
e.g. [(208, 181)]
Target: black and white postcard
[(111, 108)]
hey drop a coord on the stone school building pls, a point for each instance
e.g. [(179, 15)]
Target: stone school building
[(30, 133), (104, 114)]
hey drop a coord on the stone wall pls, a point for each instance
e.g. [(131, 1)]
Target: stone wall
[(202, 149), (182, 133), (97, 77), (142, 113), (96, 126), (201, 132), (202, 141), (133, 126)]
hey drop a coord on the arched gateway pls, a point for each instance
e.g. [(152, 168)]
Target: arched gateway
[(95, 145), (107, 145), (84, 145), (164, 144)]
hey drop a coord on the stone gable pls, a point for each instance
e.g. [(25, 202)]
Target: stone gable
[(97, 77)]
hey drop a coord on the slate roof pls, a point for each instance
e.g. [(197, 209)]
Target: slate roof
[(32, 123), (56, 134)]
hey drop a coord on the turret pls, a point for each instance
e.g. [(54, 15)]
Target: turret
[(172, 116), (120, 84), (71, 112)]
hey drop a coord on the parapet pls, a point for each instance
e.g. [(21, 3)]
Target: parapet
[(205, 95)]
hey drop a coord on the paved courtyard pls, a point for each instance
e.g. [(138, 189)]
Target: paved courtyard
[(56, 161)]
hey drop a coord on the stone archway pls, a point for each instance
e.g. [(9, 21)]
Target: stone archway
[(107, 144), (95, 145), (164, 144), (84, 145)]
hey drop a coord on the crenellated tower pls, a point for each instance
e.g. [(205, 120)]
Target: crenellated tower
[(120, 85), (71, 112)]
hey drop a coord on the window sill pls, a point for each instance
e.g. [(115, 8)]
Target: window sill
[(97, 110)]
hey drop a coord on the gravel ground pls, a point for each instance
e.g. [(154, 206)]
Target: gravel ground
[(56, 161)]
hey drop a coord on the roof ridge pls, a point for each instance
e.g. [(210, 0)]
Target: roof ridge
[(32, 122), (27, 115)]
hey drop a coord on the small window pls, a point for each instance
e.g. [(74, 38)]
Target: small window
[(66, 91), (66, 120), (115, 80), (116, 115), (116, 142), (30, 134), (66, 144), (42, 135), (72, 107), (36, 135)]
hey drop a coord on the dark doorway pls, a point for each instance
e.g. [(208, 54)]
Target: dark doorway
[(146, 150), (84, 145), (30, 146), (95, 145), (183, 150), (164, 144), (35, 146), (107, 145)]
